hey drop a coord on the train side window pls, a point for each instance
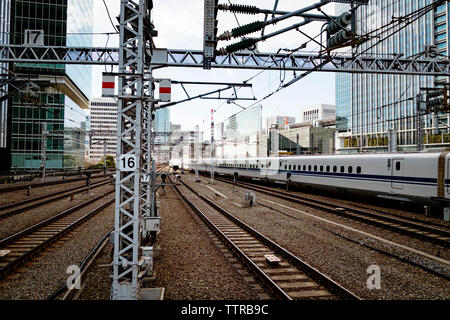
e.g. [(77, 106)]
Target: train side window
[(309, 168), (397, 166), (281, 164), (350, 169), (262, 166), (342, 169), (335, 169), (321, 168), (315, 168), (270, 163), (328, 168), (294, 168), (290, 167), (304, 168), (285, 167), (358, 170)]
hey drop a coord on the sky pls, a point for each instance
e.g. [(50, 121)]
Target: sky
[(180, 26)]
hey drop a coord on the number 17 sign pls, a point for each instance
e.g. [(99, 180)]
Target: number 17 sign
[(127, 162)]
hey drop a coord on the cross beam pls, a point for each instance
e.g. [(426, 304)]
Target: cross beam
[(240, 60)]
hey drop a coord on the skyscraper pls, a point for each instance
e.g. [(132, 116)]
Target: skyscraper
[(63, 91), (162, 124), (368, 106)]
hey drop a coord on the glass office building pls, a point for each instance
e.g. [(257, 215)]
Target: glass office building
[(162, 124), (368, 106), (5, 8), (64, 91)]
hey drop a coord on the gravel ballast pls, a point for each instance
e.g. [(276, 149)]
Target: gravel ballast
[(40, 277), (189, 265), (16, 223), (325, 247)]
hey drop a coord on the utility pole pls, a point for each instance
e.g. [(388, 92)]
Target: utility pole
[(104, 155), (127, 263), (212, 145), (419, 124), (196, 152), (44, 148)]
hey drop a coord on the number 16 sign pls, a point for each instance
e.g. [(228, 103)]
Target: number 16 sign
[(127, 162)]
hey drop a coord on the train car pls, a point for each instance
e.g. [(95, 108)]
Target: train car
[(421, 178)]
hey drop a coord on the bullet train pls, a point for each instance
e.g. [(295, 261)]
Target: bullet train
[(420, 178)]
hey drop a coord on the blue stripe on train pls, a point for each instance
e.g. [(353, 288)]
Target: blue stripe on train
[(364, 177)]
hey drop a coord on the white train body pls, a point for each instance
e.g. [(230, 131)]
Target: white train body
[(418, 177)]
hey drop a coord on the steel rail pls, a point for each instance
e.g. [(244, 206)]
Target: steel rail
[(26, 201), (272, 285), (419, 230), (12, 261), (69, 294), (51, 199), (49, 183)]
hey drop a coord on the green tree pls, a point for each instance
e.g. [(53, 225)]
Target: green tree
[(110, 162)]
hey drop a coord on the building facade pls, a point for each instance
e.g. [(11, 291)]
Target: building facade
[(370, 106), (239, 136), (278, 120), (321, 112), (103, 124), (63, 91), (162, 125), (5, 18)]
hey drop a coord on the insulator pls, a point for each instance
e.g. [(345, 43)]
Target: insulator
[(436, 102), (239, 8), (340, 38), (244, 44), (342, 21), (433, 94), (225, 36), (247, 29)]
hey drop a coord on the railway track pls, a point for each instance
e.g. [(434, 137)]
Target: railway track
[(65, 293), (22, 246), (287, 278), (49, 183), (431, 233), (28, 204)]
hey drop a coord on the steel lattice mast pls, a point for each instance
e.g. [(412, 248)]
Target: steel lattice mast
[(129, 150)]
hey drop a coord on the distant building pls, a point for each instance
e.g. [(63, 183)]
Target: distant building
[(320, 112), (162, 124), (87, 141), (239, 135), (279, 120), (303, 138), (175, 127), (103, 124)]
